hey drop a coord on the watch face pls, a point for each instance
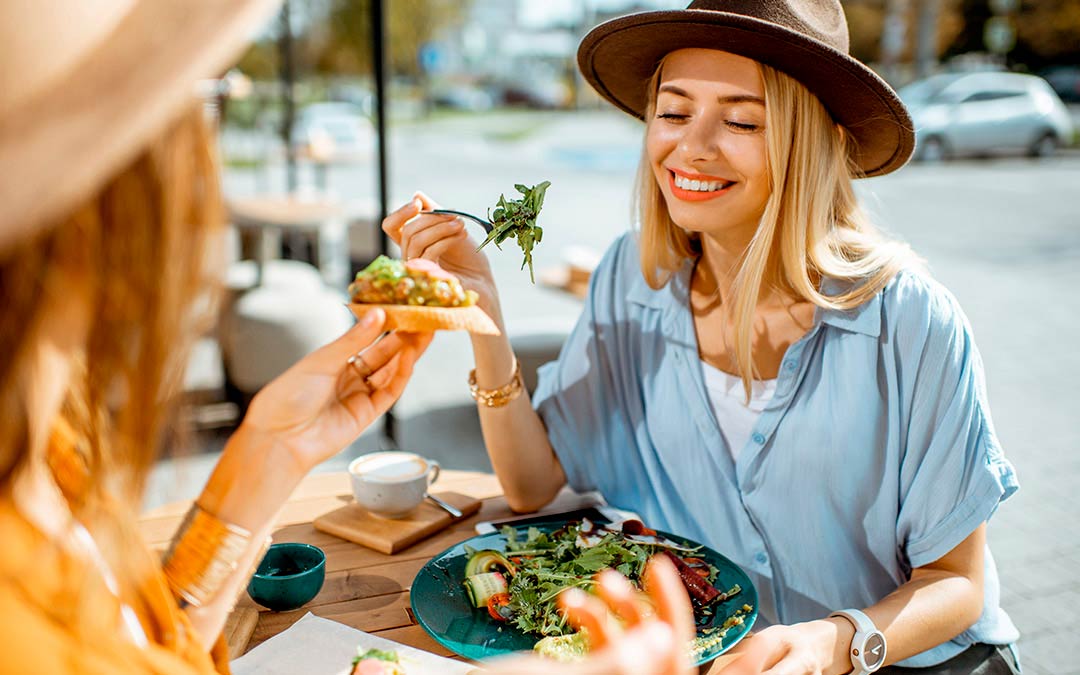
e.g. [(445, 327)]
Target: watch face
[(874, 653)]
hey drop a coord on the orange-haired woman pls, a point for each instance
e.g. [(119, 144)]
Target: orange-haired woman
[(111, 204)]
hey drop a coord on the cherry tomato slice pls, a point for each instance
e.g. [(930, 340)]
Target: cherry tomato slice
[(498, 606)]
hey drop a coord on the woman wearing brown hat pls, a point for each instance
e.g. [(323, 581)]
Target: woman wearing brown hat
[(757, 366)]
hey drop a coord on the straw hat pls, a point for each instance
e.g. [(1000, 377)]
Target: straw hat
[(86, 84), (807, 39)]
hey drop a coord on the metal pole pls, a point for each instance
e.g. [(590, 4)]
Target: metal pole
[(288, 80), (378, 29)]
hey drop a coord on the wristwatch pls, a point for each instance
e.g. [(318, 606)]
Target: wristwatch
[(867, 649)]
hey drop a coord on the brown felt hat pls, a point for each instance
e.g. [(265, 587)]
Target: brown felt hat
[(806, 39), (86, 84)]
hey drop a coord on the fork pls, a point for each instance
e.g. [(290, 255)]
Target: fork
[(486, 224)]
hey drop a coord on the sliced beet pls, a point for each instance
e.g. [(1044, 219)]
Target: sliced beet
[(634, 527), (700, 590)]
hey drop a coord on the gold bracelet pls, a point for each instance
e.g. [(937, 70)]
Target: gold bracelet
[(204, 552), (497, 398)]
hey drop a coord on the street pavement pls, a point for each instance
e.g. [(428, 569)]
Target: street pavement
[(1002, 235)]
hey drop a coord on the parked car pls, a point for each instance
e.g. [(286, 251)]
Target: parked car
[(539, 94), (985, 113), (334, 132), (466, 97)]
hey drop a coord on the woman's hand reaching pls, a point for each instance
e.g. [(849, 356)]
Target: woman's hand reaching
[(328, 398), (308, 414), (650, 636), (649, 633)]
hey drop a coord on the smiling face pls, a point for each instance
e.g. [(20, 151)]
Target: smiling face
[(706, 142)]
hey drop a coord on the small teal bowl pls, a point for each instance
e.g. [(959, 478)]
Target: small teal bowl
[(289, 576)]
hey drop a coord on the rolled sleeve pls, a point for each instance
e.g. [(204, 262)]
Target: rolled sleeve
[(953, 474)]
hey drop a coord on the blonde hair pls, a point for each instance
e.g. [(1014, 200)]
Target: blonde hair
[(812, 227), (140, 244)]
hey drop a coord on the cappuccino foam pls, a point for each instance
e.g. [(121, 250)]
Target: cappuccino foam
[(390, 467)]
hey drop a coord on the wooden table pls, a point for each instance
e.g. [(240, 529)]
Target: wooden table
[(363, 589), (321, 219)]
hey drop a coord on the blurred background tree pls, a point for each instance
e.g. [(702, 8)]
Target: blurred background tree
[(1048, 32), (865, 22), (867, 26), (338, 39), (333, 37)]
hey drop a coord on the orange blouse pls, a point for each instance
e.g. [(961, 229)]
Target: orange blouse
[(58, 616)]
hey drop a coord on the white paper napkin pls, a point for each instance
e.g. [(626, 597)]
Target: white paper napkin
[(318, 646)]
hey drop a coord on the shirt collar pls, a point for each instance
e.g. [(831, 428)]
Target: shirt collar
[(864, 319), (672, 300), (661, 298)]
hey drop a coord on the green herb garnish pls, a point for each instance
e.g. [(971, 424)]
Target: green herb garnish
[(386, 268), (517, 218)]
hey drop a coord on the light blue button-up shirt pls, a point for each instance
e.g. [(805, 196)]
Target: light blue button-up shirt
[(876, 454)]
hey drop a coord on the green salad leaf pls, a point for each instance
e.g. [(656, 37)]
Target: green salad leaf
[(547, 563), (553, 562), (516, 218)]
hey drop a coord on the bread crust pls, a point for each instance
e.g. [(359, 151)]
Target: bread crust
[(420, 319)]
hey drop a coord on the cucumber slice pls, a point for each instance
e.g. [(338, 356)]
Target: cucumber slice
[(480, 587), (488, 561)]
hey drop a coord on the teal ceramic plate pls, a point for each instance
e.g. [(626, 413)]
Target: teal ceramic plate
[(439, 603)]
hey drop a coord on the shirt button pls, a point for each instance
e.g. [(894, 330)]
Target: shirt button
[(759, 439), (790, 366), (762, 558)]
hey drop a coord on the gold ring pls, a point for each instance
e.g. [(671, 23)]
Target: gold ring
[(363, 370), (360, 366)]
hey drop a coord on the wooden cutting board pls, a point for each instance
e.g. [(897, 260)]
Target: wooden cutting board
[(387, 535), (238, 629)]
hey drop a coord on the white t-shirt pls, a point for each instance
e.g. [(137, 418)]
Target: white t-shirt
[(735, 417)]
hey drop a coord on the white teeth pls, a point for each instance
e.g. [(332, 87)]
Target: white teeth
[(697, 185)]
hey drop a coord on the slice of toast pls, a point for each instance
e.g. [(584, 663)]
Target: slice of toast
[(418, 319)]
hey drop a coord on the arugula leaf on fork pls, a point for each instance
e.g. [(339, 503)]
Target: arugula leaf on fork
[(516, 218)]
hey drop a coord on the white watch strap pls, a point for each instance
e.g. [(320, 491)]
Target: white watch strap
[(864, 629)]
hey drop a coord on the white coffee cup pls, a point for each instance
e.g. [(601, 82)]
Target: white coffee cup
[(391, 484)]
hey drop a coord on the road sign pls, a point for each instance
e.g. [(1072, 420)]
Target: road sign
[(433, 57)]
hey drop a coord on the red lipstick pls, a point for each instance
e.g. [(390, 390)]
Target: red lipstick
[(695, 195)]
